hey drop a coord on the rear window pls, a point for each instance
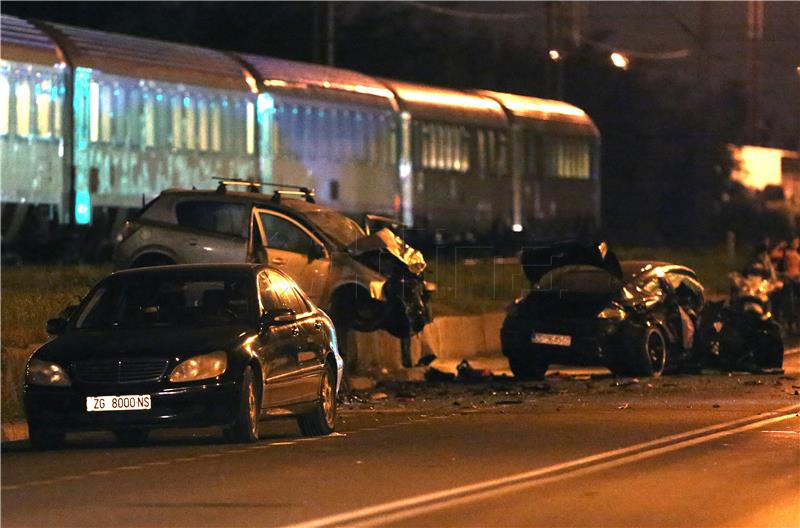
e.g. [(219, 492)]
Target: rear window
[(215, 217), (581, 279)]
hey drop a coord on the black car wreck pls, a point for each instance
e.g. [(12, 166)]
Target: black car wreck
[(185, 346), (637, 318)]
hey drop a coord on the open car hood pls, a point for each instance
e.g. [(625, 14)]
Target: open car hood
[(536, 262), (386, 241)]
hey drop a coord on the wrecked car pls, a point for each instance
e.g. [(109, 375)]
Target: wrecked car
[(585, 307), (364, 281)]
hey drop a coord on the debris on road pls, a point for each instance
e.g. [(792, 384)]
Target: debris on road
[(378, 396), (625, 382)]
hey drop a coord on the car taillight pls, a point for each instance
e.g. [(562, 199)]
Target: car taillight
[(128, 229)]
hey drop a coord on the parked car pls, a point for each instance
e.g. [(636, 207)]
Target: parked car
[(188, 345), (635, 317), (364, 281)]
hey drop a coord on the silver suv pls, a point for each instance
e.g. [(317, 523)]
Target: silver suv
[(365, 282)]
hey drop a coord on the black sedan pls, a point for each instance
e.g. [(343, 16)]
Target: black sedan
[(185, 346), (637, 318)]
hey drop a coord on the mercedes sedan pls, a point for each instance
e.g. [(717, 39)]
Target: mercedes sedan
[(185, 346)]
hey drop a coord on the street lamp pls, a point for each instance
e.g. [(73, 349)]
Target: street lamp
[(555, 56), (619, 60)]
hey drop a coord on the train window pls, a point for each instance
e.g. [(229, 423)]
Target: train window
[(502, 154), (120, 116), (309, 123), (491, 152), (481, 151), (5, 103), (177, 123), (94, 112), (465, 142), (22, 93), (149, 121), (191, 122), (334, 190), (216, 127), (43, 109), (134, 113), (106, 114), (251, 127), (57, 102), (530, 153), (322, 134), (392, 156), (202, 125)]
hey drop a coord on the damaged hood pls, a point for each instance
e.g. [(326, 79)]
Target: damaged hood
[(387, 242), (538, 261)]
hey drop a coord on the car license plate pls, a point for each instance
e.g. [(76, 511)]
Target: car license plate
[(552, 339), (131, 402)]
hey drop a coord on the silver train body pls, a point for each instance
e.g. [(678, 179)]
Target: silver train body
[(92, 124)]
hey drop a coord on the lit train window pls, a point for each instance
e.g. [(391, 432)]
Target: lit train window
[(119, 116), (94, 112), (323, 138), (481, 148), (216, 135), (22, 93), (149, 121), (134, 113), (392, 142), (177, 123), (106, 114), (502, 154), (251, 127), (202, 125), (43, 109), (58, 99), (5, 101), (191, 130), (465, 137)]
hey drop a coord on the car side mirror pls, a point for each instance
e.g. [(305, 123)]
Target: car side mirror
[(56, 326), (316, 252), (276, 316)]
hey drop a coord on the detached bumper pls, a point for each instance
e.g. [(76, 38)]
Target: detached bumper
[(188, 406)]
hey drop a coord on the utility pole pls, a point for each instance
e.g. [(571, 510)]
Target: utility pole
[(330, 34), (755, 34)]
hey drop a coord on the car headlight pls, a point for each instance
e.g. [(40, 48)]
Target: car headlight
[(200, 367), (46, 373), (612, 313)]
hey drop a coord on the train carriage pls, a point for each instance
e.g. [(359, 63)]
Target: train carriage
[(454, 174), (32, 95), (330, 129), (554, 157)]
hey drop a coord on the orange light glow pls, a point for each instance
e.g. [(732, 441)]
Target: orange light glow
[(619, 60), (446, 98), (524, 105), (757, 167), (554, 55)]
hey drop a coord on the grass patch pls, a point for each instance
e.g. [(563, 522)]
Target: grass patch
[(30, 295)]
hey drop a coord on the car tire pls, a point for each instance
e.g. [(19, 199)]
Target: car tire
[(245, 427), (322, 420), (646, 354), (132, 437), (45, 439), (528, 369)]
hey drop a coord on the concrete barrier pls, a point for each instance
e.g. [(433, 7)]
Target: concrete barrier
[(449, 337)]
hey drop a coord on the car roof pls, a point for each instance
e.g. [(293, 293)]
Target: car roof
[(296, 204)]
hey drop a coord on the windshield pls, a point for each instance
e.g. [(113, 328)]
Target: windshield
[(579, 279), (344, 231), (153, 300)]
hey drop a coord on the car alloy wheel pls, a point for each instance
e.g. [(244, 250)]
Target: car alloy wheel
[(656, 348), (328, 397), (322, 420)]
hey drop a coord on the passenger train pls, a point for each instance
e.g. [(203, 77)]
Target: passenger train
[(93, 124)]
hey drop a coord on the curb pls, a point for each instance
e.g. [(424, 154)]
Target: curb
[(15, 431)]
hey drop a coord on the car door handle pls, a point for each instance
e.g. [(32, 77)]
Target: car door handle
[(278, 261)]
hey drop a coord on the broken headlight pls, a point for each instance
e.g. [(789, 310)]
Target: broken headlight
[(612, 313)]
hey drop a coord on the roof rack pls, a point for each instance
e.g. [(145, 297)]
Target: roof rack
[(254, 186)]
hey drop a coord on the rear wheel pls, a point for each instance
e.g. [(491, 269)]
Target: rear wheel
[(132, 437), (245, 428), (646, 355), (44, 439), (322, 420)]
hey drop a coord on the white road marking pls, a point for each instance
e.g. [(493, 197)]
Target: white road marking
[(425, 503)]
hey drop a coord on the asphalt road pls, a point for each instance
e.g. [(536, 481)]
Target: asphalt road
[(714, 450)]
